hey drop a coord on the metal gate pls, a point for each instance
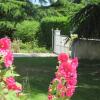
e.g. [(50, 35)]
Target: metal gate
[(59, 42)]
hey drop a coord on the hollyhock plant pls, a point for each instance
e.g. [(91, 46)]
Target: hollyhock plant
[(8, 59), (62, 87), (5, 43), (12, 85), (63, 57), (9, 88)]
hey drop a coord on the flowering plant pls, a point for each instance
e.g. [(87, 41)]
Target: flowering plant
[(63, 85), (9, 88)]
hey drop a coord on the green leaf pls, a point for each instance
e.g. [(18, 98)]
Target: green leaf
[(9, 73), (12, 96)]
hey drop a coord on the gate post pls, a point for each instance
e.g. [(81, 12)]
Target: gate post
[(56, 41), (52, 39)]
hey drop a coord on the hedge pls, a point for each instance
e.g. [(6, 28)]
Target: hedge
[(49, 23)]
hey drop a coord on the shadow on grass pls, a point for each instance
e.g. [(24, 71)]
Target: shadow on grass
[(40, 72), (88, 80)]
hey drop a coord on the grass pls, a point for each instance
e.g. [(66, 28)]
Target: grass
[(38, 72), (88, 80)]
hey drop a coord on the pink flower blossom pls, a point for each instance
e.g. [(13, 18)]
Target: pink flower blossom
[(11, 84), (59, 86), (70, 65), (8, 59), (50, 97), (63, 57), (70, 90), (10, 80), (72, 81), (71, 75), (65, 78), (3, 52), (74, 63), (5, 43), (66, 66)]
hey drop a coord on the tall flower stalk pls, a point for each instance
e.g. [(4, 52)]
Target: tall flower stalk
[(62, 87), (9, 88)]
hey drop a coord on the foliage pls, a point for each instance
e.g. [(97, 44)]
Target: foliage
[(70, 9), (86, 22), (65, 9), (9, 88), (15, 10), (19, 47), (60, 3), (27, 30), (63, 85), (42, 12), (12, 12), (50, 23), (6, 28), (86, 2)]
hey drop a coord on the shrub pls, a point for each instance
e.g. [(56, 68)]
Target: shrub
[(30, 47), (27, 30), (50, 23)]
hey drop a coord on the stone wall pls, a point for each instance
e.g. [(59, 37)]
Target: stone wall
[(86, 49)]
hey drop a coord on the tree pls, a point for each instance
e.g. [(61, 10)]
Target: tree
[(86, 23), (13, 12)]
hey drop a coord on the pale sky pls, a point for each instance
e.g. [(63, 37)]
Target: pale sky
[(37, 2)]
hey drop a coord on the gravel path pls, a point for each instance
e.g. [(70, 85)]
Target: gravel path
[(35, 55)]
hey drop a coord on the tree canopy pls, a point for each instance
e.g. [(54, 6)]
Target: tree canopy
[(83, 15), (12, 12), (86, 23)]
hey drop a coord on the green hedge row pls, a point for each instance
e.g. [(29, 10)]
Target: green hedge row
[(30, 30), (49, 23)]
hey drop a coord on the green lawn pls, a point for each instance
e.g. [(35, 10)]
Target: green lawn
[(37, 72)]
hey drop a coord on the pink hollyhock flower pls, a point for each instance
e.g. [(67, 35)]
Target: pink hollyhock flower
[(63, 93), (61, 72), (65, 77), (14, 87), (10, 80), (59, 86), (70, 90), (50, 97), (72, 81), (70, 65), (71, 75), (74, 63), (11, 84), (3, 52), (66, 66), (8, 59), (5, 43), (63, 57)]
